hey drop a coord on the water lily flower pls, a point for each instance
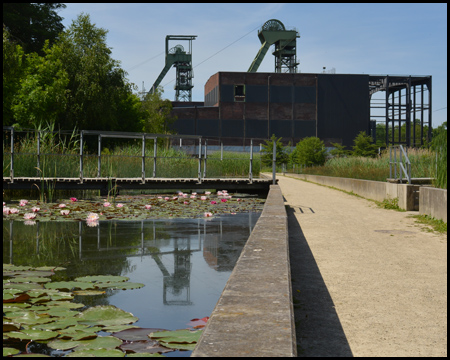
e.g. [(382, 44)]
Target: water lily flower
[(29, 222), (148, 207), (186, 202), (238, 199), (185, 195), (207, 192), (106, 204), (175, 198), (213, 202), (119, 205), (5, 210), (62, 205), (13, 210), (92, 217), (167, 198), (219, 193), (92, 223), (29, 216), (73, 199), (35, 209), (194, 193), (193, 197), (203, 197), (23, 202), (65, 212), (208, 214), (223, 200)]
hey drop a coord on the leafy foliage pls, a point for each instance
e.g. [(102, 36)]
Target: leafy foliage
[(363, 145), (439, 145), (267, 152), (310, 151), (339, 150)]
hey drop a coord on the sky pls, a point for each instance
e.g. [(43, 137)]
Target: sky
[(375, 39)]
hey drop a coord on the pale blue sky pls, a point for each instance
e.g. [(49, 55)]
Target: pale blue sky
[(394, 39)]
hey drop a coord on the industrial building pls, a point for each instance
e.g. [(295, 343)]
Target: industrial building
[(242, 106)]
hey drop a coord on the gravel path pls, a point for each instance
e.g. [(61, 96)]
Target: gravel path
[(366, 281)]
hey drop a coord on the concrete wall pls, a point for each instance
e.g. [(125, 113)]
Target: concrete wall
[(254, 315), (433, 202)]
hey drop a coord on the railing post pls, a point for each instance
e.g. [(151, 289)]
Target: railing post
[(81, 156), (400, 162), (143, 159), (390, 162), (221, 151), (199, 160), (155, 147), (204, 159), (395, 162), (99, 155), (11, 169), (250, 172), (274, 159), (38, 152)]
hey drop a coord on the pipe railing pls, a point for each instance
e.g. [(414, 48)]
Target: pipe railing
[(404, 166), (144, 137)]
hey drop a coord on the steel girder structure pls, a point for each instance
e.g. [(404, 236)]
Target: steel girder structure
[(401, 105)]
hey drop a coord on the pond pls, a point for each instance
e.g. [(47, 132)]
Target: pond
[(183, 264)]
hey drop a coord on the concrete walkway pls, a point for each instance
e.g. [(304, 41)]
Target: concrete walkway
[(366, 281)]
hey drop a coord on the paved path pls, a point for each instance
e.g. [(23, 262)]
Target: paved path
[(366, 281)]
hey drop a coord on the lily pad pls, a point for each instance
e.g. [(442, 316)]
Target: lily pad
[(106, 315), (178, 336), (88, 292), (7, 351), (32, 334), (147, 346), (102, 278), (96, 353), (136, 334), (69, 285), (121, 285)]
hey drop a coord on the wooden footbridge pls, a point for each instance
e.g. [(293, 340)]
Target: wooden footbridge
[(195, 147)]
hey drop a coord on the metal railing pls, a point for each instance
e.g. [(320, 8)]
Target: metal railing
[(402, 163), (190, 148)]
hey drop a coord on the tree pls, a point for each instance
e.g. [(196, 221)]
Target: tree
[(31, 24), (280, 151), (339, 150), (13, 72), (310, 152), (363, 145), (99, 91), (42, 96), (156, 117)]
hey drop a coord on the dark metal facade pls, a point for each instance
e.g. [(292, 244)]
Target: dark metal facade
[(240, 106)]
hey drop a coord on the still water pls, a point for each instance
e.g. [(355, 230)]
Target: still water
[(184, 263)]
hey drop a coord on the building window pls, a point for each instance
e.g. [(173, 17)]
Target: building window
[(239, 92)]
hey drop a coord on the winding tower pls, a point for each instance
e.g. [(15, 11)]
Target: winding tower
[(181, 59), (273, 32)]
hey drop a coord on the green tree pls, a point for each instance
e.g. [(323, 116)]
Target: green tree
[(156, 111), (31, 24), (42, 96), (339, 150), (363, 145), (310, 151), (99, 91), (14, 65), (267, 152)]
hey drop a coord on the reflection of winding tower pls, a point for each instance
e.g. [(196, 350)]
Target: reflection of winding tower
[(273, 32), (182, 61)]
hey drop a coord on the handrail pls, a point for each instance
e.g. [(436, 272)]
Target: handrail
[(404, 168)]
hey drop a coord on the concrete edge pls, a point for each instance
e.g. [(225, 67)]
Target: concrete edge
[(254, 315), (432, 201)]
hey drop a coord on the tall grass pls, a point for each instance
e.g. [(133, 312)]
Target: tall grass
[(61, 159), (423, 164)]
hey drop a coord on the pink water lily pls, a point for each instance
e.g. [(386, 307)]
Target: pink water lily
[(207, 192), (119, 205), (23, 202), (65, 212), (223, 200), (92, 223), (208, 214), (106, 204), (35, 209), (73, 199), (29, 216), (13, 210), (213, 202), (203, 197), (62, 205), (92, 217), (148, 207)]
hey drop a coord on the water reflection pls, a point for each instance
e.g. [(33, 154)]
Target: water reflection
[(184, 263)]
